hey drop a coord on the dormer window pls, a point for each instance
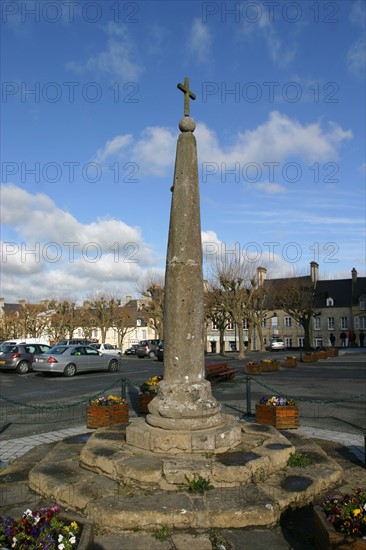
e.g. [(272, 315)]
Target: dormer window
[(330, 302), (363, 302)]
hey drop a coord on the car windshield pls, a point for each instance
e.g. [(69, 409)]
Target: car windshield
[(57, 350), (96, 346)]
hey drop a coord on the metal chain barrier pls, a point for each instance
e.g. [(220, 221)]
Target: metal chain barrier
[(122, 381)]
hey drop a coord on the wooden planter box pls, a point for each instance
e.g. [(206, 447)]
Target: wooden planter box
[(103, 416), (332, 352), (310, 357), (290, 363), (144, 400), (281, 417), (253, 369), (322, 354), (326, 537), (270, 366)]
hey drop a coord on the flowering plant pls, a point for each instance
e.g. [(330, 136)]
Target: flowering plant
[(251, 363), (276, 401), (291, 357), (151, 385), (39, 529), (347, 513), (105, 401)]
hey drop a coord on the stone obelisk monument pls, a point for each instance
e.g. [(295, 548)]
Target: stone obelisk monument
[(184, 416)]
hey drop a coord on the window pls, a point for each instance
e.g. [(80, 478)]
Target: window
[(317, 324), (330, 302), (230, 325), (318, 342), (300, 342), (330, 323), (287, 322), (288, 342), (274, 321), (214, 325), (360, 323), (344, 323), (264, 323), (138, 322), (362, 303)]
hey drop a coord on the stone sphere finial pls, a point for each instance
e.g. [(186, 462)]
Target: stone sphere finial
[(187, 124)]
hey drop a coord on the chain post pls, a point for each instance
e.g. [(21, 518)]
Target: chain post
[(248, 395), (123, 388)]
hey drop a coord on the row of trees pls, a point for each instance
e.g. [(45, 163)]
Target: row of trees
[(233, 294)]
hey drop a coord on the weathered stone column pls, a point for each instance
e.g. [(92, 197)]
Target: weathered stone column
[(184, 394), (184, 417)]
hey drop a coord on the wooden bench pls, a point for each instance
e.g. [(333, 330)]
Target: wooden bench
[(220, 371)]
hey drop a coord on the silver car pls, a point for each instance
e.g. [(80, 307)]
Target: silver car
[(69, 360), (277, 344)]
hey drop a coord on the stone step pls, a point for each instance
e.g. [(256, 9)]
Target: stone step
[(126, 504)]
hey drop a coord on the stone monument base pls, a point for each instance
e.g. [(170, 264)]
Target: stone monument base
[(217, 439)]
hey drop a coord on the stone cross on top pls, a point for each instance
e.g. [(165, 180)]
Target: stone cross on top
[(187, 95)]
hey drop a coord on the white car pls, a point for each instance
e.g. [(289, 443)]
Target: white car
[(109, 349), (277, 344)]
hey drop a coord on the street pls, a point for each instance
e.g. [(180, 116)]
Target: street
[(34, 403)]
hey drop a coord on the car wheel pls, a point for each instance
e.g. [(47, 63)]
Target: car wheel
[(151, 354), (70, 370), (23, 367), (113, 365)]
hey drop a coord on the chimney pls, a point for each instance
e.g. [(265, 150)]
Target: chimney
[(22, 302), (128, 299), (354, 276), (314, 272), (86, 304), (261, 275)]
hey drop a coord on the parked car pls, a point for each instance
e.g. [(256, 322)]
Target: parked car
[(69, 360), (160, 351), (19, 357), (109, 349), (277, 344), (147, 348), (75, 341), (131, 350)]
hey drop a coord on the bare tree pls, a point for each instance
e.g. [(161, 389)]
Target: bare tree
[(152, 308), (103, 308), (237, 283), (124, 323), (62, 322), (216, 312), (295, 296)]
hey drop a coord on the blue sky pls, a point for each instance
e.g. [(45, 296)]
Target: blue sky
[(90, 112)]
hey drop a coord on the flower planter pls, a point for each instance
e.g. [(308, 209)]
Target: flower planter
[(326, 537), (290, 363), (332, 352), (281, 417), (106, 415), (322, 354), (86, 539), (269, 366), (254, 368), (144, 400), (310, 357)]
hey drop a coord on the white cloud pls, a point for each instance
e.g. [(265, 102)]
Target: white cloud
[(199, 41), (113, 147), (57, 253), (276, 140), (120, 59), (270, 188), (266, 30)]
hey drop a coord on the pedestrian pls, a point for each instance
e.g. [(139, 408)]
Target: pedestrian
[(332, 339), (343, 337), (362, 338)]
